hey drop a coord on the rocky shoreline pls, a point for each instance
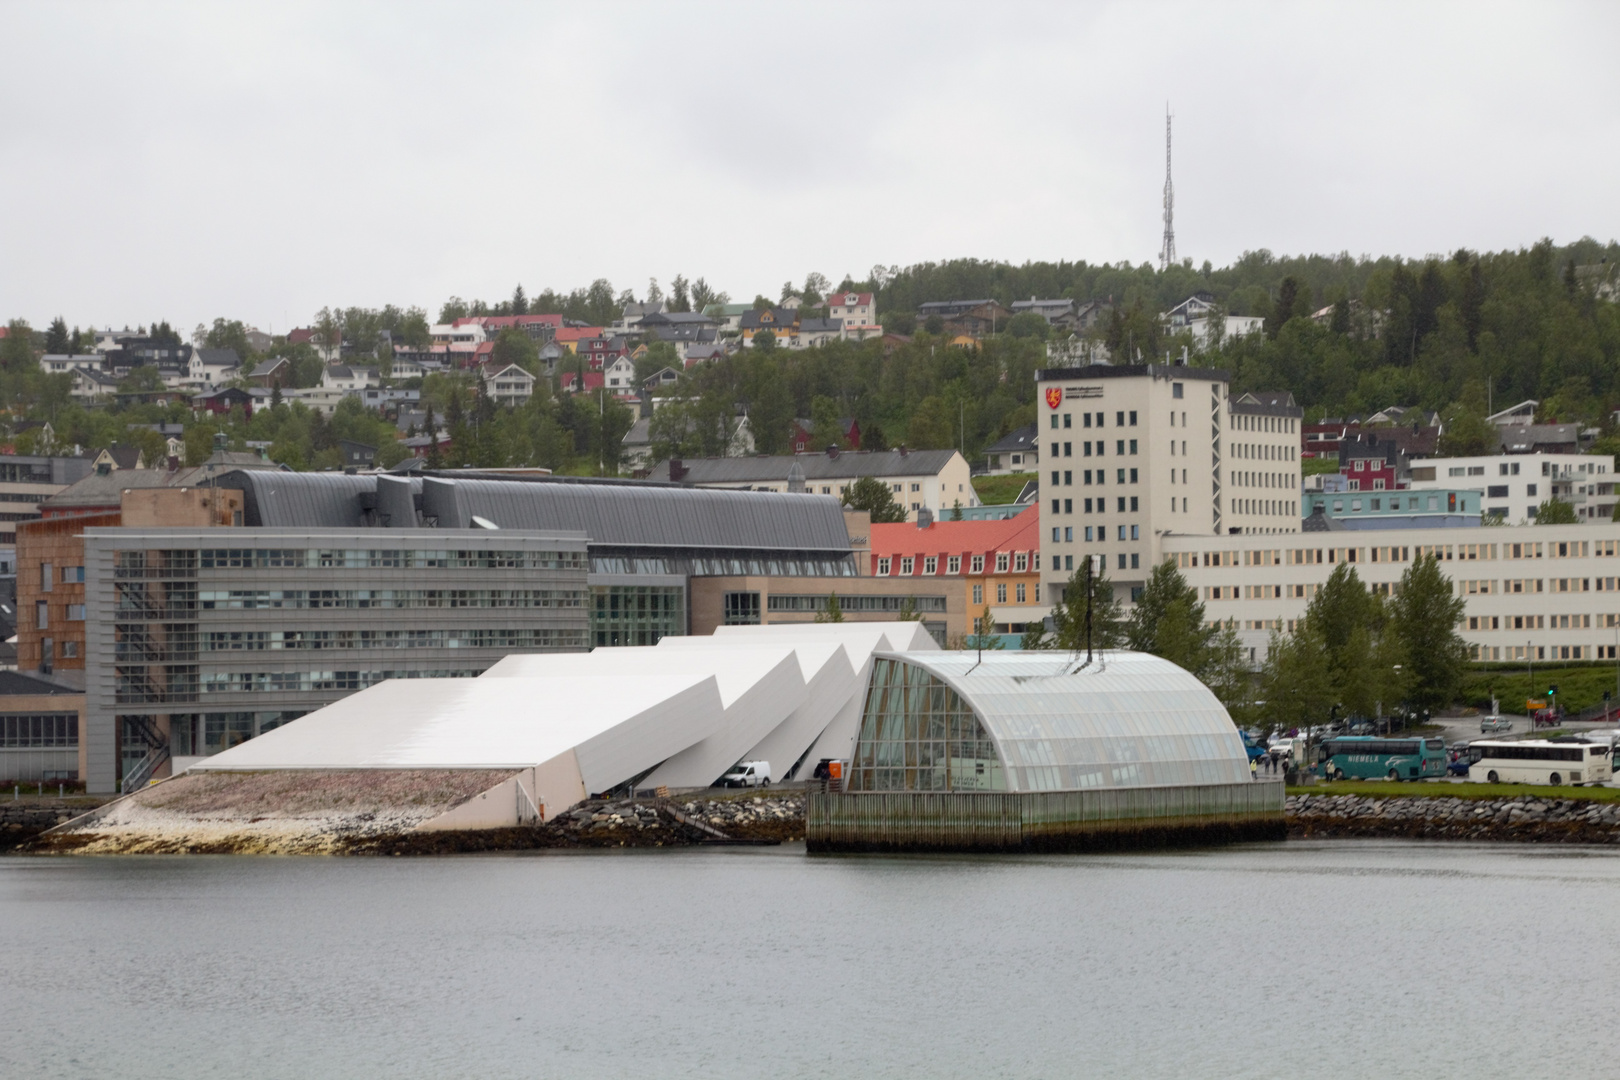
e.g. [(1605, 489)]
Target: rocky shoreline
[(1520, 819)]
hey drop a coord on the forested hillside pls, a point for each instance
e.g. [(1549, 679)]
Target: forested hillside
[(1458, 333)]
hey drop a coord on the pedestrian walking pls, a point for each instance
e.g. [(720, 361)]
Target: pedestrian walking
[(1254, 772)]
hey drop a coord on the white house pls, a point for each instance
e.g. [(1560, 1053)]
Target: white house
[(1515, 485), (858, 312), (620, 376), (211, 368), (509, 385), (349, 379), (61, 363)]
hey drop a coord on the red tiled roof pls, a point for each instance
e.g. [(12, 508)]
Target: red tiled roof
[(837, 299), (302, 336), (1020, 533), (575, 333)]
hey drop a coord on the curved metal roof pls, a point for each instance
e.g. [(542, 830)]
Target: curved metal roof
[(612, 515), (1128, 720)]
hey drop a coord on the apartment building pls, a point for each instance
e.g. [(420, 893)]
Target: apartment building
[(1545, 592), (1135, 453), (994, 564), (1514, 485)]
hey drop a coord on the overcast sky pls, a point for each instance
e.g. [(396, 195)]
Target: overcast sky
[(259, 162)]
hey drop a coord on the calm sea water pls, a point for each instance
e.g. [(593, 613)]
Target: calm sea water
[(1329, 959)]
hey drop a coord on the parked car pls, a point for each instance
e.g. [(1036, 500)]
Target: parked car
[(1362, 727), (748, 774), (1495, 723), (1458, 759)]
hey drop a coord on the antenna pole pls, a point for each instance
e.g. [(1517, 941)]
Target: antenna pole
[(1167, 256)]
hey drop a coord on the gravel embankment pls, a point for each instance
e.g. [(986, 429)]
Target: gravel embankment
[(1522, 818)]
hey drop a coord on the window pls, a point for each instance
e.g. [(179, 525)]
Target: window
[(1133, 476), (1119, 447), (45, 574), (1122, 504), (1122, 560), (1099, 419), (916, 487), (742, 609), (883, 567), (953, 565), (908, 565), (978, 594), (1136, 532), (1497, 491), (1020, 593), (1054, 478), (1001, 562), (1133, 421), (75, 613), (976, 566), (931, 564), (1176, 390), (1055, 422), (1136, 562), (1133, 446), (41, 617), (1121, 478), (1068, 534), (1055, 506), (1001, 592), (1530, 490), (1067, 421), (70, 649), (1086, 417), (1068, 449), (1122, 532), (1068, 478), (73, 575), (1135, 503), (1088, 534), (1119, 419), (1020, 562), (1068, 506)]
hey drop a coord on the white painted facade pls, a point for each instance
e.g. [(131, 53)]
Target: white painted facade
[(1514, 485)]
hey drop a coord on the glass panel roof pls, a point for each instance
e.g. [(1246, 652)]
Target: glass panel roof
[(1127, 720)]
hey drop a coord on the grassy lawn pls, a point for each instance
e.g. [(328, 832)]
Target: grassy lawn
[(1316, 466), (1000, 490), (1579, 685), (1386, 790)]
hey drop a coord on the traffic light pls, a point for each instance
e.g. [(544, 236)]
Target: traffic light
[(1552, 691)]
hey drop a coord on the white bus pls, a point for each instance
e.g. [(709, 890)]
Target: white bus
[(1538, 761)]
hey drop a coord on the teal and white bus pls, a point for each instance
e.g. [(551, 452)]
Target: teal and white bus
[(1365, 757)]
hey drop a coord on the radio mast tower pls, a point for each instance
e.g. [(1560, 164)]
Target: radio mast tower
[(1167, 257)]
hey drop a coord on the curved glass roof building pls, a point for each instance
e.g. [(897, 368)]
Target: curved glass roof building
[(951, 721)]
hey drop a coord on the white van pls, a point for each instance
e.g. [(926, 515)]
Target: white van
[(748, 774)]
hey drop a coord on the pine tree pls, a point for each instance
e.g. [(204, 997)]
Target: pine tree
[(520, 303), (831, 612), (56, 338)]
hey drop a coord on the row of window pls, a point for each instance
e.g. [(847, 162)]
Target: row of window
[(39, 731), (1019, 592), (1535, 622), (1120, 450), (1016, 562), (386, 558), (1395, 553), (1125, 418), (314, 640), (1130, 562), (1541, 652), (249, 599), (1123, 505), (42, 614), (293, 682), (786, 602)]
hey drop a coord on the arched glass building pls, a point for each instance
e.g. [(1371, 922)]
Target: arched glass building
[(1041, 751), (949, 721)]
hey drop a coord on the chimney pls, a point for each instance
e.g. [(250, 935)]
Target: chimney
[(903, 451), (174, 463), (832, 450), (677, 471)]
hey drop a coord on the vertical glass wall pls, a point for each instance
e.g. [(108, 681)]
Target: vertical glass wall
[(636, 614), (917, 734)]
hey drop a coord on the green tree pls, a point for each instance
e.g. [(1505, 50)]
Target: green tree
[(764, 339), (1069, 615), (452, 309), (1029, 324), (1297, 678), (1556, 512), (520, 302), (1168, 621), (1465, 433), (57, 341), (513, 346), (229, 334), (873, 495), (1424, 615), (17, 348), (984, 634), (830, 612), (144, 378)]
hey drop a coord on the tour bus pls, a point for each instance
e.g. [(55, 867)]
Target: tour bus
[(1539, 761), (1362, 757)]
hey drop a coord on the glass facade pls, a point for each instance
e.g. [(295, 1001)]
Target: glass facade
[(741, 609), (917, 734), (1124, 720), (636, 614)]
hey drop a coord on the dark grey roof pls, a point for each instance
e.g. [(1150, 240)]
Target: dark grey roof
[(269, 366), (609, 514), (104, 490), (1520, 437), (780, 317), (13, 682), (218, 357), (1022, 439), (820, 326), (849, 465), (1318, 521)]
